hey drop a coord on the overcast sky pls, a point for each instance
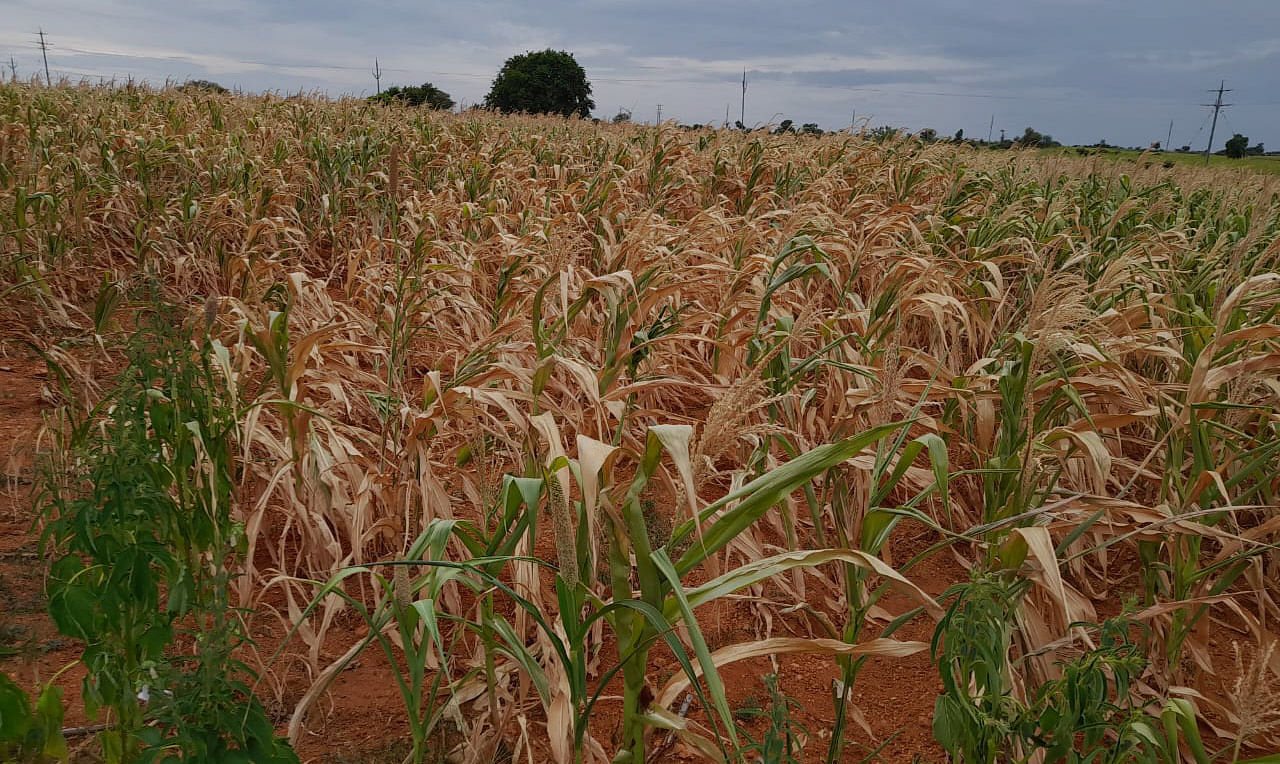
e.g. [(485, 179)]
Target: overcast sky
[(1082, 70)]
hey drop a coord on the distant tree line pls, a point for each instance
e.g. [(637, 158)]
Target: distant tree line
[(1030, 138), (788, 126), (553, 82)]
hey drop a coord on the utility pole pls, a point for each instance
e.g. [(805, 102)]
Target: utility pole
[(1218, 106), (742, 116), (990, 127), (13, 69), (726, 115), (659, 122), (1169, 138), (44, 47), (377, 75)]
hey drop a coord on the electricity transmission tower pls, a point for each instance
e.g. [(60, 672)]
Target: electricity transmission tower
[(44, 48), (1218, 106), (13, 69), (377, 76)]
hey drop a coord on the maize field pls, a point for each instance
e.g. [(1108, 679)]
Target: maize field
[(579, 442)]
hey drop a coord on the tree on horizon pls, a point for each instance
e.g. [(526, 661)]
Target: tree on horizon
[(542, 82)]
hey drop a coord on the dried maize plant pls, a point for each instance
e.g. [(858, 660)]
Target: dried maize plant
[(612, 397)]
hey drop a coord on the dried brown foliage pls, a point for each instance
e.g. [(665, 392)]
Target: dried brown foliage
[(450, 279)]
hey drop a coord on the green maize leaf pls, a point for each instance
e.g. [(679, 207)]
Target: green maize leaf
[(768, 567), (764, 492), (679, 604)]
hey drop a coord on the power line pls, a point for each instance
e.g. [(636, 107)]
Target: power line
[(1226, 122), (1218, 106), (1231, 127), (1005, 97), (251, 62), (1192, 139), (85, 75)]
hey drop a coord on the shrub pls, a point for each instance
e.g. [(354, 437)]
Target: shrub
[(207, 86), (425, 94), (144, 545)]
